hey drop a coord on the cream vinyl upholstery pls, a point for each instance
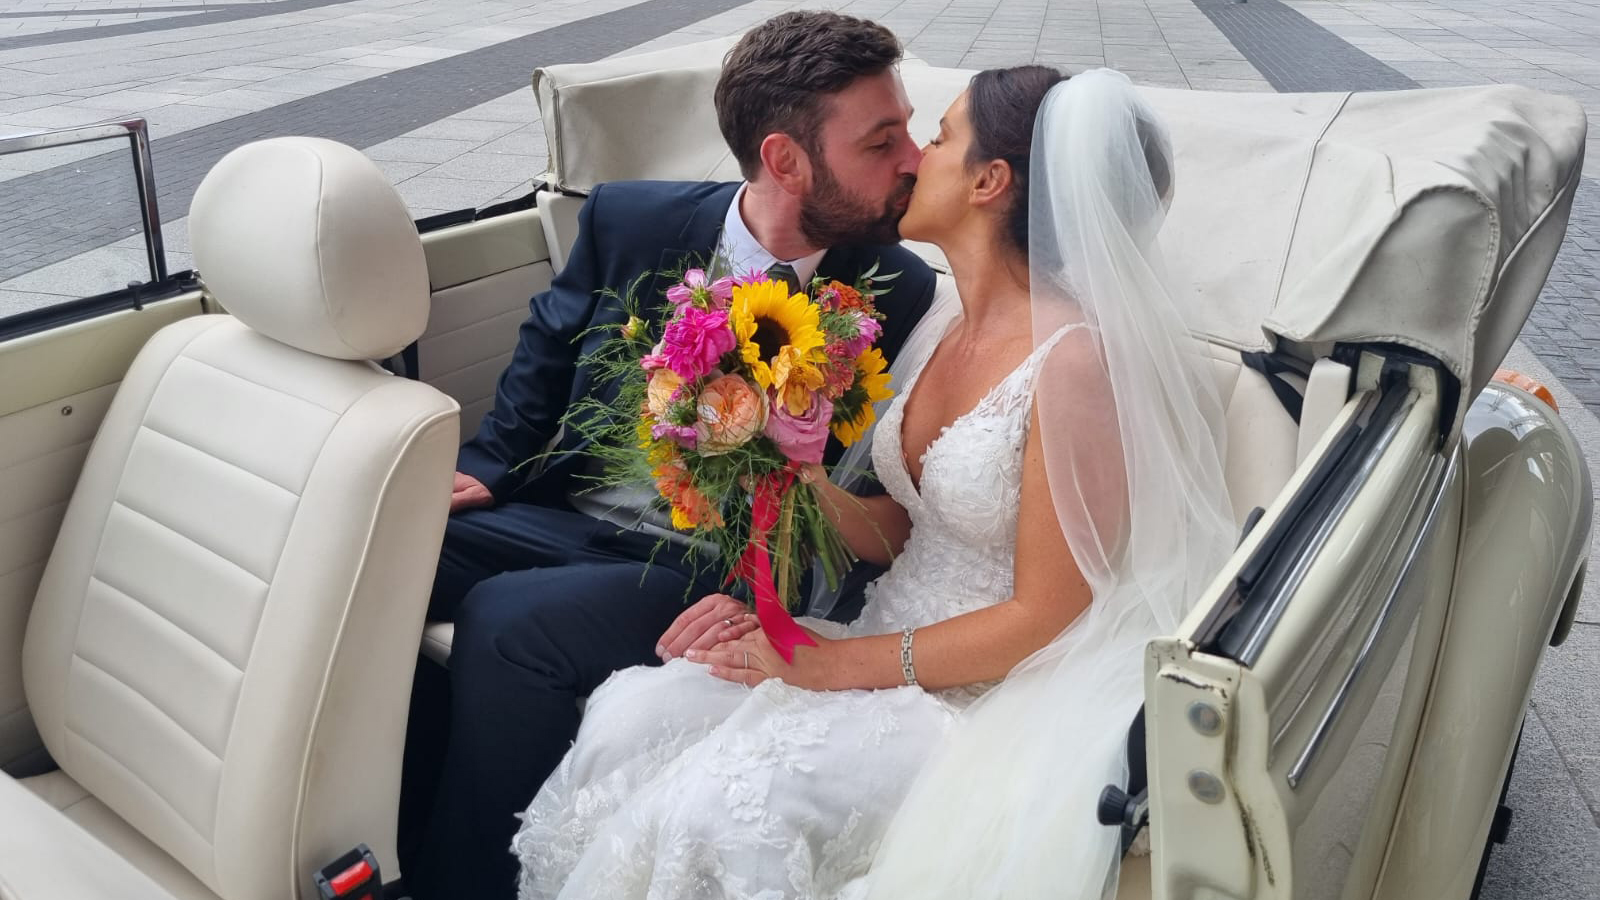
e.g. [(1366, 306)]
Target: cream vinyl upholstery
[(220, 653), (37, 840), (482, 275)]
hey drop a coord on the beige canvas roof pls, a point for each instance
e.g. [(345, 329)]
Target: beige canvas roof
[(1427, 218)]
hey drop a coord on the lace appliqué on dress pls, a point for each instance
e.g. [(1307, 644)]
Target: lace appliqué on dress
[(684, 786)]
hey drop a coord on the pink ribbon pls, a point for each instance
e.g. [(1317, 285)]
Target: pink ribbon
[(755, 567)]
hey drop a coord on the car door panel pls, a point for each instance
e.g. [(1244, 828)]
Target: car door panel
[(55, 387), (483, 274), (1320, 680)]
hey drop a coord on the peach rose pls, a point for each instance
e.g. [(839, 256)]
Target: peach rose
[(731, 411), (663, 384)]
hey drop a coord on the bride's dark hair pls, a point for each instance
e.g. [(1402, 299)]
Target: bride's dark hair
[(1002, 105)]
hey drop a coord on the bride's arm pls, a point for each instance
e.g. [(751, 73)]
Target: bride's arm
[(983, 645), (874, 528)]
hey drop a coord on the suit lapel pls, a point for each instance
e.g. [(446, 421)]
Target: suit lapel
[(697, 242)]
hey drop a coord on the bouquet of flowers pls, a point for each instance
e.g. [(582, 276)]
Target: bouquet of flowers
[(739, 383)]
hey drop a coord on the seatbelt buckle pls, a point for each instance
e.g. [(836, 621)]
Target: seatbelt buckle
[(353, 876)]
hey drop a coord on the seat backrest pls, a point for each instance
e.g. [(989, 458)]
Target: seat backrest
[(222, 644), (1261, 435)]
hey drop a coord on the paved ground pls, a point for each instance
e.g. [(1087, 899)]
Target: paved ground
[(436, 91)]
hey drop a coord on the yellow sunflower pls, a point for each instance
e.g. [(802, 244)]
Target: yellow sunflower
[(870, 365), (773, 324)]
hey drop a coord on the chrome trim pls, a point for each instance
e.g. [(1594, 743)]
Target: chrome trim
[(64, 137), (1255, 643), (137, 133), (1438, 479)]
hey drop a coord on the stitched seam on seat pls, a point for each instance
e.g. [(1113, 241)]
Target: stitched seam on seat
[(520, 312), (417, 430), (116, 487), (500, 359), (51, 452), (255, 639), (279, 391), (141, 782), (227, 462), (37, 559), (128, 595), (190, 538), (149, 702)]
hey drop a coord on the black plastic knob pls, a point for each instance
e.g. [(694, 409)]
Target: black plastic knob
[(1113, 807)]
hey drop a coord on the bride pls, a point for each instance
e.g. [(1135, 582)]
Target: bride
[(1055, 499)]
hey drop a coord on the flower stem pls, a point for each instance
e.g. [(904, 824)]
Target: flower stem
[(785, 556)]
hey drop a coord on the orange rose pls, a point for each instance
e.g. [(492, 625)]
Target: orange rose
[(731, 412), (690, 508)]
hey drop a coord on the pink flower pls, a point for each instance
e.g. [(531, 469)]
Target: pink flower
[(801, 438), (869, 331), (656, 358), (684, 435), (721, 292), (754, 276), (695, 290), (696, 340), (839, 376)]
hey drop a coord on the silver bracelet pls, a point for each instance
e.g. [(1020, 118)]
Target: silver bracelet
[(906, 668)]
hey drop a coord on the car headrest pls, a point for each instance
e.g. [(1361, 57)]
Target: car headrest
[(305, 241)]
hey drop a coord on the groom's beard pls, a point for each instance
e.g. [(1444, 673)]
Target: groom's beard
[(830, 215)]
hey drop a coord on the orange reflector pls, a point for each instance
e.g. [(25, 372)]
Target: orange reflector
[(1519, 380)]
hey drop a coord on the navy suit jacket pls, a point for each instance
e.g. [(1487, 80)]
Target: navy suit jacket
[(625, 230)]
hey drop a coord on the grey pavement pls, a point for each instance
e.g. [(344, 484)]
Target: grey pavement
[(436, 91)]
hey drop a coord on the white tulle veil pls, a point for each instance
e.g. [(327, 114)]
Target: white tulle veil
[(1132, 434)]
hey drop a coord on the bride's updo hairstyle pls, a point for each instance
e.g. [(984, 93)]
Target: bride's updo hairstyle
[(1002, 104)]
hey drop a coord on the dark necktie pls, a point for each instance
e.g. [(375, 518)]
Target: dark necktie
[(785, 273)]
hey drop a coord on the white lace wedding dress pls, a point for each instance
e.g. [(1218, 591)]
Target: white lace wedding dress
[(681, 785)]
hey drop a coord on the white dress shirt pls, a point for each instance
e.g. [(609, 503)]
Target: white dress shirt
[(743, 252)]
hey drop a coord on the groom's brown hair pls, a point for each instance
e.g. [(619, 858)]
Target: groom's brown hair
[(778, 77)]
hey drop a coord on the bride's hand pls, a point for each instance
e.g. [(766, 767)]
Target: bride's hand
[(751, 659), (714, 619)]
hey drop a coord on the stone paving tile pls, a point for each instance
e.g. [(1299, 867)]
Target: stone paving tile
[(480, 166), (421, 150), (464, 129), (1564, 697), (431, 192), (14, 302), (364, 114), (1553, 850), (230, 13), (95, 272)]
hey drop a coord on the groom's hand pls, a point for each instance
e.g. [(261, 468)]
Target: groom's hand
[(469, 492), (716, 618)]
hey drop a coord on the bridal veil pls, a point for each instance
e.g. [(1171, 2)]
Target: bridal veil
[(1132, 434)]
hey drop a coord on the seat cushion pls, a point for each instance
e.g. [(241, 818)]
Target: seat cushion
[(49, 857), (436, 640), (86, 812)]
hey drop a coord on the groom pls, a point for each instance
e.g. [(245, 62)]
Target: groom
[(548, 585)]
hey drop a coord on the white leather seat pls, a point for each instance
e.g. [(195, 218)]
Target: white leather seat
[(220, 653)]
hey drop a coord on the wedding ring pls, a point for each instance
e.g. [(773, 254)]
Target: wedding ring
[(747, 659), (728, 621)]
